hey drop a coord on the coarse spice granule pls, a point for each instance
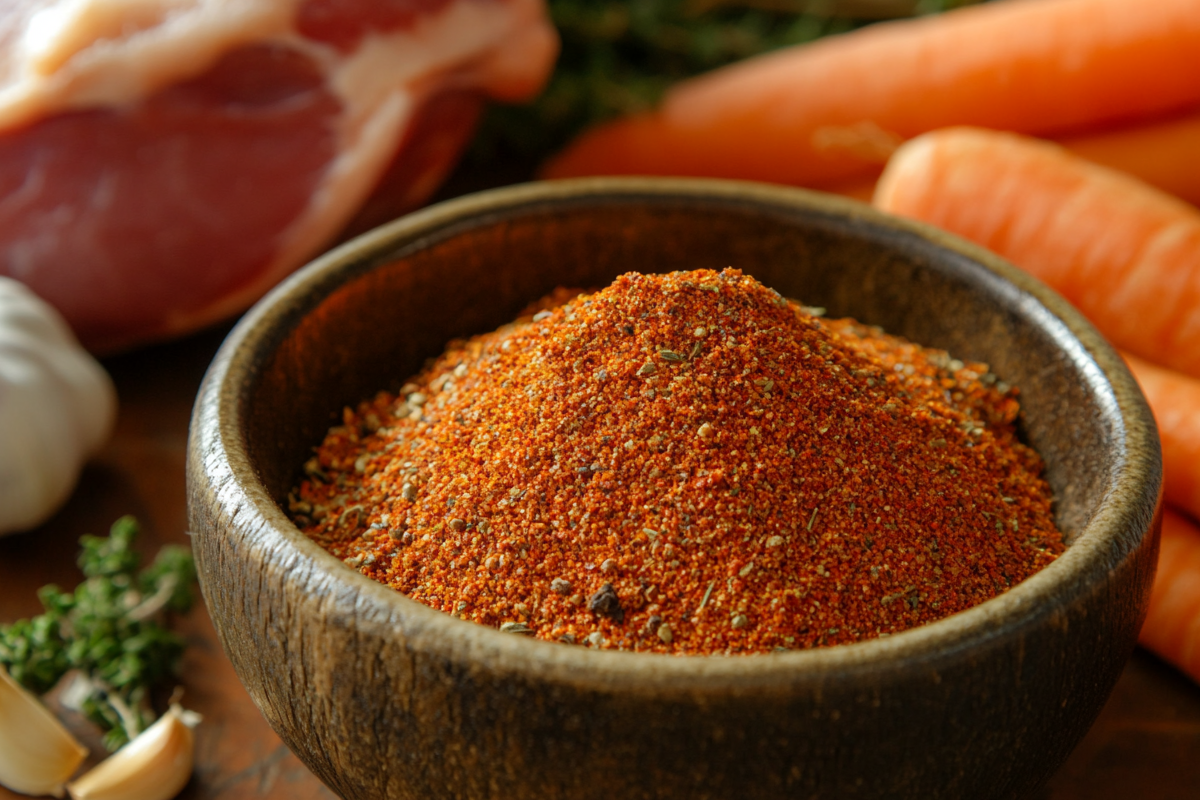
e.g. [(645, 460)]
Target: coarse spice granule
[(686, 463)]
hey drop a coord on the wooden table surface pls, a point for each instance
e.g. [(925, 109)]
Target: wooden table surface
[(1144, 746)]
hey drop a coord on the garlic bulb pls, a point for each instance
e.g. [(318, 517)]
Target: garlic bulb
[(37, 754), (57, 406), (154, 766)]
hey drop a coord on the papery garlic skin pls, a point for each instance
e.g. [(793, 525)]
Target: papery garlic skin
[(154, 766), (57, 407), (37, 754)]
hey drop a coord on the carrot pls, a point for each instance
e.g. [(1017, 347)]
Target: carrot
[(1126, 254), (1172, 626), (1165, 154), (1175, 400), (832, 110)]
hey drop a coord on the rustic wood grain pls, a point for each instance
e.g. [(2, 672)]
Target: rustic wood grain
[(140, 472), (1145, 743), (384, 697)]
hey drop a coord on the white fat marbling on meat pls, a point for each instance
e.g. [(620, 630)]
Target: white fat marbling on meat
[(88, 53), (71, 54), (382, 83)]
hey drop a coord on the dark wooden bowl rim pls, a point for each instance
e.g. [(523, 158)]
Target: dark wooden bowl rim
[(375, 609)]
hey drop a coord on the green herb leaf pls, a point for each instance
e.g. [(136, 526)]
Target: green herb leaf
[(111, 629)]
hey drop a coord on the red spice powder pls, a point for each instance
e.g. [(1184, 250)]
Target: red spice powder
[(686, 463)]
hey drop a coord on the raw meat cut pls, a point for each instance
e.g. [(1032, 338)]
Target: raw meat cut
[(165, 162)]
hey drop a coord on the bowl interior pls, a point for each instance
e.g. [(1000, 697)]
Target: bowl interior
[(385, 697), (367, 317)]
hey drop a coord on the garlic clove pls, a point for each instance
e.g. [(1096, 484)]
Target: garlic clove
[(37, 754), (57, 408), (154, 766)]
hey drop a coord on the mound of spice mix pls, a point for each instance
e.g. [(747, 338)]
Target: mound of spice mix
[(686, 463)]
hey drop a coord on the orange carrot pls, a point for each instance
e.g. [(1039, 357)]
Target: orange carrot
[(1175, 400), (834, 109), (1165, 154), (1172, 627), (1126, 254)]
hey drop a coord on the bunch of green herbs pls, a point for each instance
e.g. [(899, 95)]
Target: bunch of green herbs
[(111, 629), (620, 56)]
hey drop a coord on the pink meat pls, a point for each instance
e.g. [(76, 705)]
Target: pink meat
[(152, 216)]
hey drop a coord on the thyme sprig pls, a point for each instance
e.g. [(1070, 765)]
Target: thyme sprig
[(619, 56), (111, 629)]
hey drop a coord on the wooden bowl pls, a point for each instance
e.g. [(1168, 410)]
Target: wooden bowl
[(383, 697)]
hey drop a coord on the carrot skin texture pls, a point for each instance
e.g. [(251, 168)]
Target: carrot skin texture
[(1164, 154), (823, 112), (1172, 626), (1175, 401), (1124, 253)]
